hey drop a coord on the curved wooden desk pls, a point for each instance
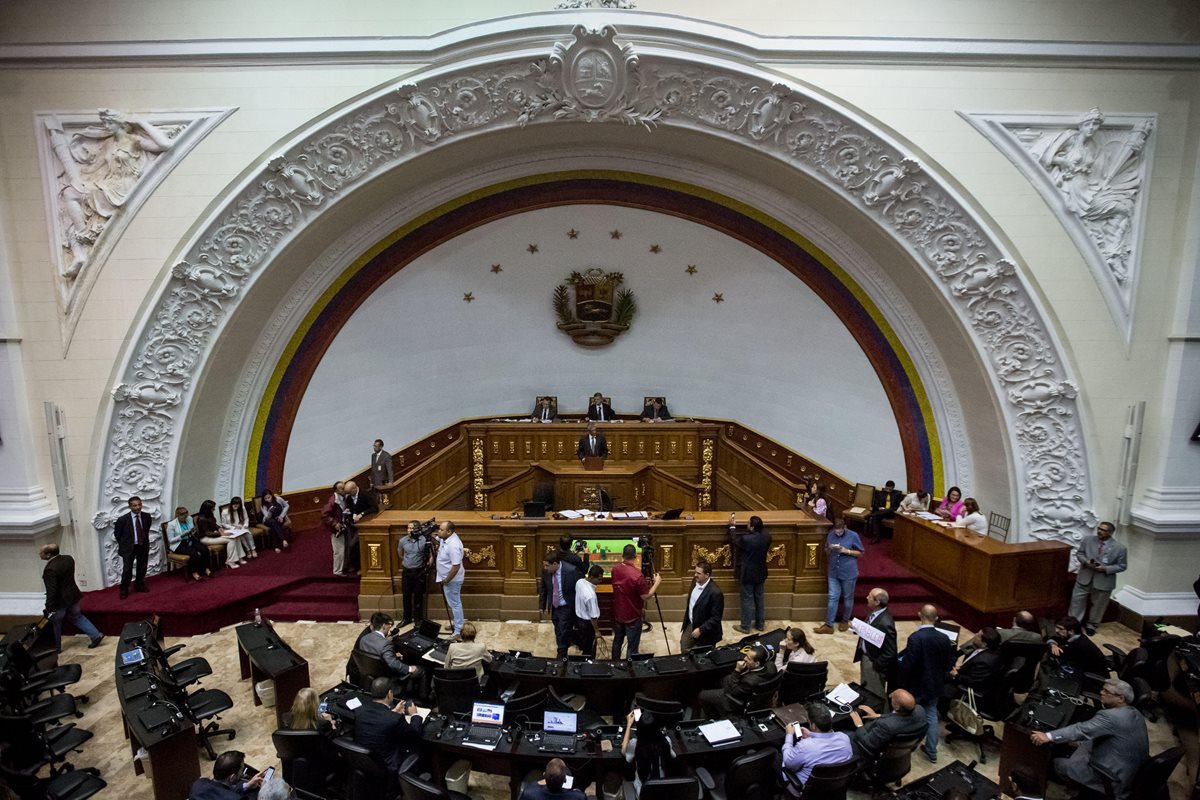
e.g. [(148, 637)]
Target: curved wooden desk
[(988, 575)]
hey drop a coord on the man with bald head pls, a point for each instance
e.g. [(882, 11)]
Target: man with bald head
[(923, 667), (875, 664), (1024, 630), (358, 505), (874, 732)]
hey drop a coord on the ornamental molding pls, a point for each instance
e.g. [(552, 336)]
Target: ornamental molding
[(98, 169), (738, 102), (1091, 168)]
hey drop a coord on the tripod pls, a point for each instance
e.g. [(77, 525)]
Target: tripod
[(648, 572)]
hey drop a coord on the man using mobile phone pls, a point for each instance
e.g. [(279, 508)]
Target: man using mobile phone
[(388, 728), (227, 782)]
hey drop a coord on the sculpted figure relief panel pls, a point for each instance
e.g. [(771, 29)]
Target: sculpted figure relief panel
[(594, 79)]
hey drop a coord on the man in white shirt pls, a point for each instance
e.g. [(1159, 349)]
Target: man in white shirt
[(450, 573), (587, 610)]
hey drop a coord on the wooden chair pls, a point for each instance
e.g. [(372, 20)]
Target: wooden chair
[(864, 496), (537, 402), (998, 526), (173, 561)]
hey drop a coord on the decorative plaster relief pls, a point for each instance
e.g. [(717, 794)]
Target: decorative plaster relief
[(97, 171), (1091, 170), (734, 101)]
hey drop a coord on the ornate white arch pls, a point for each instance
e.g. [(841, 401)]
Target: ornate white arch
[(589, 77)]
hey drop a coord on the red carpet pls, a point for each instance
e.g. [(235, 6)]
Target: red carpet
[(295, 584)]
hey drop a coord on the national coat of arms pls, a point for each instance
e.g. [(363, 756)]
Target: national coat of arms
[(602, 311)]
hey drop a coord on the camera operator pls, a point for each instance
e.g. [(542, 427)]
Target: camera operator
[(357, 505), (630, 591), (415, 555)]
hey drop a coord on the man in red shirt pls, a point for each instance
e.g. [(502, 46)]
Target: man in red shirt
[(629, 594)]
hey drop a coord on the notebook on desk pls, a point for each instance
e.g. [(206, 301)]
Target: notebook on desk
[(596, 670)]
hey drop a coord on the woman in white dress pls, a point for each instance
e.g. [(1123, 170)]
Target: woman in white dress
[(236, 517), (971, 519)]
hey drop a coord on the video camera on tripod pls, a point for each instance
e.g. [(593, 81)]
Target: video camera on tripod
[(646, 543)]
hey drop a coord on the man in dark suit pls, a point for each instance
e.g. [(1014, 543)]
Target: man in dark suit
[(63, 595), (377, 643), (656, 411), (748, 676), (381, 465), (226, 782), (358, 504), (874, 732), (544, 411), (592, 443), (876, 664), (704, 610), (599, 410), (923, 668), (558, 588), (750, 568), (132, 532), (981, 664), (1074, 649), (884, 503), (388, 729)]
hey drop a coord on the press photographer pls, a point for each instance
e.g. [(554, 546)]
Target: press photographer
[(416, 556)]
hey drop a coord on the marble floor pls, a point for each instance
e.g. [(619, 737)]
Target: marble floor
[(326, 646)]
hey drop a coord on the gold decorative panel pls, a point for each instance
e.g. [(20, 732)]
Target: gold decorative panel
[(559, 446), (657, 449), (778, 554), (519, 557), (810, 555), (487, 554), (674, 448), (477, 495), (512, 447), (495, 446), (641, 447), (528, 447), (666, 557), (624, 447), (689, 447), (374, 556), (545, 447), (706, 472), (720, 557)]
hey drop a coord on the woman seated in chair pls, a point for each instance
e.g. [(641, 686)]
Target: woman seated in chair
[(794, 648), (468, 652), (275, 517), (971, 518), (211, 532), (181, 536), (305, 715), (237, 518), (649, 749), (951, 505)]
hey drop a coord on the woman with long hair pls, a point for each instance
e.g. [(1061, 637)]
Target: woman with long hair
[(181, 536), (305, 714), (794, 648), (820, 502), (649, 750), (274, 511), (971, 517), (236, 517), (211, 532), (951, 505)]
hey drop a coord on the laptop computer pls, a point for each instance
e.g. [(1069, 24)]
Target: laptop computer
[(558, 732), (533, 509), (531, 666), (487, 724), (595, 670), (672, 513), (669, 665), (725, 656)]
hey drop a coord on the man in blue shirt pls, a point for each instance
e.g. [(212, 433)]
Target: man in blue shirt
[(814, 748), (842, 551)]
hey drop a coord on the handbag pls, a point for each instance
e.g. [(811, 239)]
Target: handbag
[(965, 715)]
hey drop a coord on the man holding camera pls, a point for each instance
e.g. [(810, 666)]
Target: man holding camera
[(630, 591), (415, 557)]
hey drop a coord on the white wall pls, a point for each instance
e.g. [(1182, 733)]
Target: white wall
[(416, 357)]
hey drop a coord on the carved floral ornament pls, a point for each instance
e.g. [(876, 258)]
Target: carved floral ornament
[(610, 85)]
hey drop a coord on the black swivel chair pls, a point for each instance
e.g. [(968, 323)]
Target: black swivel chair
[(413, 787), (75, 785), (24, 680), (529, 706), (1151, 780), (830, 781), (993, 706), (1032, 652), (801, 681), (669, 713), (455, 690), (205, 707), (367, 775), (893, 763), (308, 761), (750, 777), (763, 696)]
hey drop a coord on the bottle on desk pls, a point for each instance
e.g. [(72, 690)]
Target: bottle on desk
[(257, 618)]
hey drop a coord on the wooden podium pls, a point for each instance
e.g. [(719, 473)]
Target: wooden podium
[(593, 463)]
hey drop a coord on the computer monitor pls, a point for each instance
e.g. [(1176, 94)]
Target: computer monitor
[(559, 721), (534, 509), (487, 713)]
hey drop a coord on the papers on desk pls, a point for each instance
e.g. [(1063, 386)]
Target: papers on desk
[(927, 515), (233, 533), (720, 732), (632, 515), (842, 693), (856, 510), (873, 636), (569, 514), (479, 746), (353, 703)]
